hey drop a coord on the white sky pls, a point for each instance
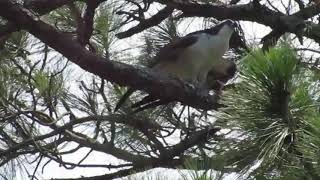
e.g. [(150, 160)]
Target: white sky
[(253, 32)]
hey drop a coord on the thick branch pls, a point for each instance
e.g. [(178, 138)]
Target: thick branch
[(308, 12), (87, 28), (39, 6), (254, 12), (158, 85)]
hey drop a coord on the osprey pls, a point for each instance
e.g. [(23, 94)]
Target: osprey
[(191, 57)]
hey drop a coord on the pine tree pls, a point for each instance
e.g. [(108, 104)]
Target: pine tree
[(55, 115)]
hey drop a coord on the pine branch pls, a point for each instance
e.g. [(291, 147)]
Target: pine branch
[(120, 73)]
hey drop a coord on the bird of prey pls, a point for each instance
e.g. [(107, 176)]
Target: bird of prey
[(190, 58)]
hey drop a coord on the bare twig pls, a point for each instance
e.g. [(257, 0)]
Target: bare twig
[(147, 23)]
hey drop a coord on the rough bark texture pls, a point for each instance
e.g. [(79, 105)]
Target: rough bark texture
[(122, 74)]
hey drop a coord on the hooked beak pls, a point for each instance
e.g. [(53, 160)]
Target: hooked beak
[(231, 23)]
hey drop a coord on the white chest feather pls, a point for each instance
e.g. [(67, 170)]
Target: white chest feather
[(205, 53), (197, 60), (209, 48)]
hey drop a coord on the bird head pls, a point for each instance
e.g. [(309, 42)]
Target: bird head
[(227, 28), (231, 24)]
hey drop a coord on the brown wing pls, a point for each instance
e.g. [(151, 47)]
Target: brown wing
[(171, 51)]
